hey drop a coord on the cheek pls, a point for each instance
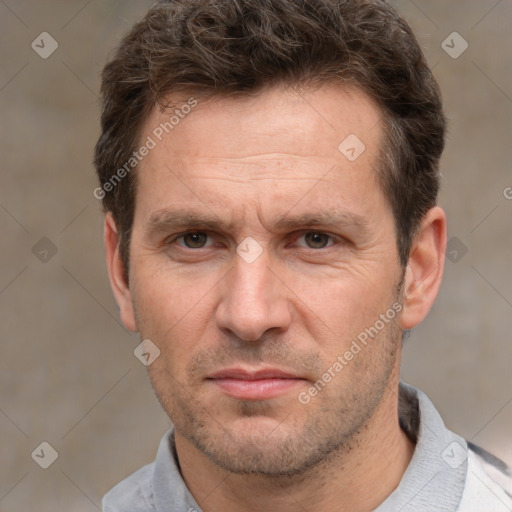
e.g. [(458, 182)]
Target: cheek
[(175, 307), (342, 306), (165, 296), (172, 310)]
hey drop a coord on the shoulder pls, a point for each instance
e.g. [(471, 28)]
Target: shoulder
[(488, 483), (133, 494)]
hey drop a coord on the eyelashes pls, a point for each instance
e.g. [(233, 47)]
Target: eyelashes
[(195, 240)]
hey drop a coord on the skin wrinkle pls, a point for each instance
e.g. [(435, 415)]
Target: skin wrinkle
[(274, 89), (294, 307), (260, 163), (341, 55), (169, 219)]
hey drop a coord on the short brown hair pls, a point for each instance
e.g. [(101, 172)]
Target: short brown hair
[(218, 47)]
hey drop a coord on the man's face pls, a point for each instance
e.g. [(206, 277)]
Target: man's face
[(244, 335)]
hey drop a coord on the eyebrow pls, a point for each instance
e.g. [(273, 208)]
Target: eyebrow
[(324, 218), (167, 219)]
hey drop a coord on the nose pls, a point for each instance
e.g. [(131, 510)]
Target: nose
[(253, 300)]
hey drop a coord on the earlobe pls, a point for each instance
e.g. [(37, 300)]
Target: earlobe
[(424, 270), (116, 273)]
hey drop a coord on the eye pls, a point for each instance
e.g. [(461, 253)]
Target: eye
[(316, 239), (193, 239)]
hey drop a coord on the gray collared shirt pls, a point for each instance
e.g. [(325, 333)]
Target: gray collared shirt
[(446, 473)]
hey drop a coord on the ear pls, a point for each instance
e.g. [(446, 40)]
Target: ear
[(424, 270), (115, 267)]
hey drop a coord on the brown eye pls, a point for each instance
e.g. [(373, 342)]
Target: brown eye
[(196, 240), (316, 240)]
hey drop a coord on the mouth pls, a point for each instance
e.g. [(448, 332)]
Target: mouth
[(263, 384)]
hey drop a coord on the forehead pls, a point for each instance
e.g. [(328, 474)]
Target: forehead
[(289, 117), (282, 142)]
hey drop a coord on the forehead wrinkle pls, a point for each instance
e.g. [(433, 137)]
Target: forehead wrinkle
[(268, 155), (282, 162), (264, 156), (247, 180), (255, 171)]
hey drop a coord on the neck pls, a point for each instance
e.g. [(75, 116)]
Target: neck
[(357, 480)]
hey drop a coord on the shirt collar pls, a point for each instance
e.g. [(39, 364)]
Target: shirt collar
[(169, 489), (434, 479)]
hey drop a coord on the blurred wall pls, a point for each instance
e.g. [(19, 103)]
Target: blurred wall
[(68, 373)]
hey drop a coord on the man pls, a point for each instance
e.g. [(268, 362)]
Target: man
[(269, 172)]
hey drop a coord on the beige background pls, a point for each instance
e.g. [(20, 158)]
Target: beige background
[(68, 374)]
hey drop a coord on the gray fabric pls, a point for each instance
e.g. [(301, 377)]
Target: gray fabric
[(434, 481), (430, 483)]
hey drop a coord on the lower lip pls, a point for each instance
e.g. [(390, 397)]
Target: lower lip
[(261, 389)]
